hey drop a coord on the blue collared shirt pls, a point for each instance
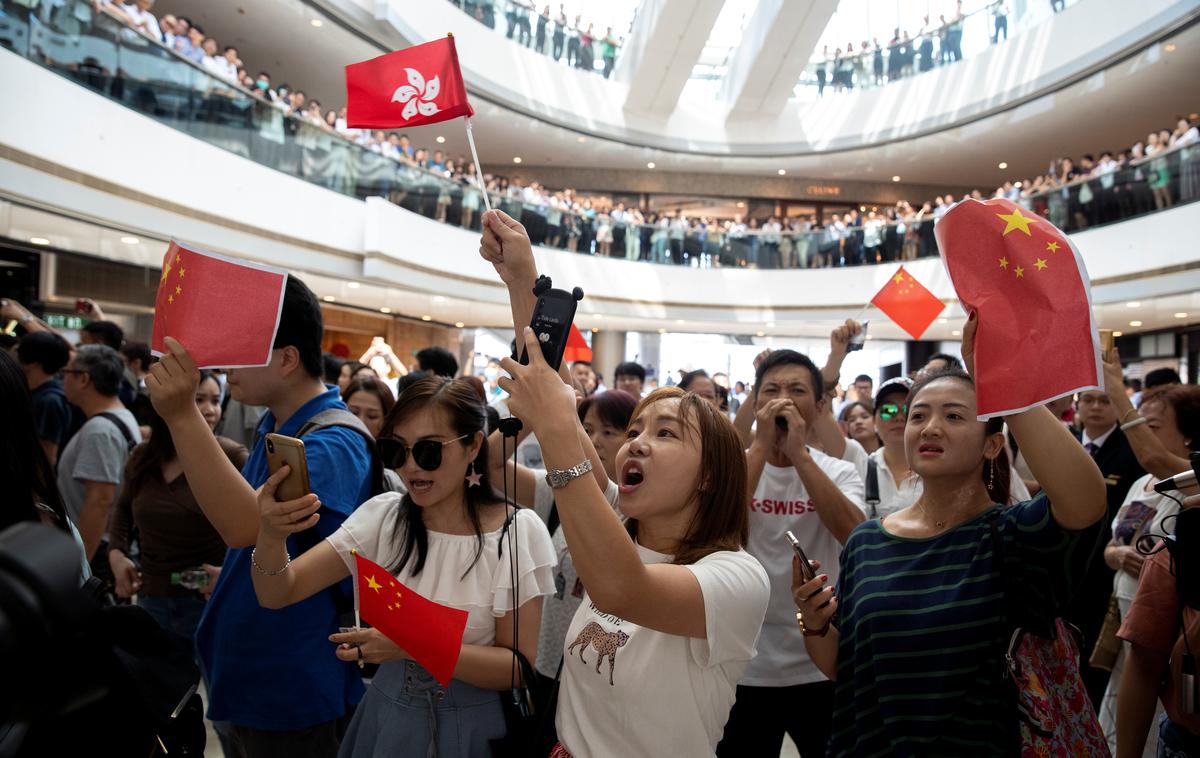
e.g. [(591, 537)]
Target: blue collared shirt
[(276, 669)]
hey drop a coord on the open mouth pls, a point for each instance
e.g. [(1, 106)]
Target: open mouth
[(632, 476), (929, 450), (419, 486)]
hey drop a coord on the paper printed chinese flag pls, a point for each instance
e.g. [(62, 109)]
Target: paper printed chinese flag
[(430, 632), (577, 347), (1027, 286), (907, 303), (418, 85), (225, 311)]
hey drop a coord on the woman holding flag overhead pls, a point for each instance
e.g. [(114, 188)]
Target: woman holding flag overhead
[(446, 541)]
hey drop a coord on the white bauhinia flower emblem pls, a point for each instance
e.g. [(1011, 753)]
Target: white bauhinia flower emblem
[(418, 95)]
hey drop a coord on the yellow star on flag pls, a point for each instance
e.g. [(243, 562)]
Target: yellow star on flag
[(1040, 263), (1015, 220), (1052, 247), (1020, 272), (182, 271), (166, 271), (898, 278), (1004, 263), (373, 585), (179, 290), (170, 298)]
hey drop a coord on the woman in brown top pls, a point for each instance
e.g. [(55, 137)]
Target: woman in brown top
[(180, 550)]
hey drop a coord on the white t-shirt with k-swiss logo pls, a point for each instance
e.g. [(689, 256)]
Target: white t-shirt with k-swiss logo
[(780, 503), (631, 691)]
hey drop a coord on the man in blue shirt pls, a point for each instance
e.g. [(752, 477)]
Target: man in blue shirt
[(272, 674)]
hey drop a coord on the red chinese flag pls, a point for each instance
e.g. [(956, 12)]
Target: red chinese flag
[(1026, 283), (577, 347), (430, 632), (225, 311), (418, 85), (907, 303)]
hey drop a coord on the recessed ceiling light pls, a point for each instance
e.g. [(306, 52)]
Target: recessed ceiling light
[(1017, 185), (385, 309), (1133, 304), (862, 208), (956, 333), (741, 204), (1170, 47), (595, 330), (782, 171), (895, 178), (329, 299), (427, 318), (680, 321), (1135, 323), (650, 164), (353, 285), (317, 22), (39, 240), (516, 159), (1001, 165), (597, 315), (662, 331), (440, 139), (770, 324), (1118, 333), (1181, 314), (459, 324), (130, 239), (760, 334), (943, 321), (439, 299)]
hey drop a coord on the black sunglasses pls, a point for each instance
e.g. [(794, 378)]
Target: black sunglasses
[(427, 453)]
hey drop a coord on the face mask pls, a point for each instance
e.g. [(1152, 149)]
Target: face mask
[(262, 85), (491, 373)]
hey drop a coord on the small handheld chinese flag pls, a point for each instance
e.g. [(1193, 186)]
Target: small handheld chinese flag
[(430, 632), (577, 347), (1027, 285), (907, 303), (225, 311), (419, 85)]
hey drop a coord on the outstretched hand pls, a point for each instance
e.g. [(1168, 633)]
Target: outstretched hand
[(505, 244)]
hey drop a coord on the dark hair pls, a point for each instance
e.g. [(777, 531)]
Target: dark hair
[(26, 472), (777, 358), (851, 406), (355, 367), (8, 341), (581, 363), (722, 518), (301, 325), (999, 489), (951, 361), (1185, 400), (331, 367), (863, 378), (459, 400), (408, 380), (1160, 377), (159, 448), (106, 333), (438, 361), (46, 349), (629, 368), (103, 366), (614, 407), (687, 379), (140, 352), (376, 387)]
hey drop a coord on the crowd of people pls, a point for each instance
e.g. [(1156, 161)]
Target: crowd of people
[(1151, 174), (626, 522)]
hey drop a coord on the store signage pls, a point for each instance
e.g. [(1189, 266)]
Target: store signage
[(823, 189), (63, 321)]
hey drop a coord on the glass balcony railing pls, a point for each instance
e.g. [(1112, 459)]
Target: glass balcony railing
[(101, 53)]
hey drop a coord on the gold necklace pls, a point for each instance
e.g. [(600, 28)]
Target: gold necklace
[(938, 524)]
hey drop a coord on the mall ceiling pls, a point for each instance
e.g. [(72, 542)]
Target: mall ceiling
[(280, 37)]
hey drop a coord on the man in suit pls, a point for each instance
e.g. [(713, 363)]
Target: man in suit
[(1101, 435)]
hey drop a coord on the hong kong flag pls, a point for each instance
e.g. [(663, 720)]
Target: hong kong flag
[(430, 632), (1027, 285), (225, 311), (418, 85)]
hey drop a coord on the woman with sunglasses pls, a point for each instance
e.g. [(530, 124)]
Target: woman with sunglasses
[(915, 638), (449, 540)]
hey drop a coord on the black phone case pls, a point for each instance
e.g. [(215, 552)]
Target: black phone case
[(552, 319)]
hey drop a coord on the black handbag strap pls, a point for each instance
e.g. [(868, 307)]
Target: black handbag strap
[(115, 420), (872, 493)]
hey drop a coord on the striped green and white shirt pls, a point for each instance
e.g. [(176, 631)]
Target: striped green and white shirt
[(924, 626)]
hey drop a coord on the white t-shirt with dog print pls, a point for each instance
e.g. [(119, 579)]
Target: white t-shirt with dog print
[(629, 690)]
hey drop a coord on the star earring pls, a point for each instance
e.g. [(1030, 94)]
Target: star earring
[(473, 476)]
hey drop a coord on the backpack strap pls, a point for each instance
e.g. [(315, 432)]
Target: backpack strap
[(115, 420), (872, 493), (335, 417)]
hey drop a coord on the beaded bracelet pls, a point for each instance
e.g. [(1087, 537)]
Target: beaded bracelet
[(263, 571)]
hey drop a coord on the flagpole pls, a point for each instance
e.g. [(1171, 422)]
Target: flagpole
[(487, 203), (357, 613)]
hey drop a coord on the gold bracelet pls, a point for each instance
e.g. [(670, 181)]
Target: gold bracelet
[(1125, 416)]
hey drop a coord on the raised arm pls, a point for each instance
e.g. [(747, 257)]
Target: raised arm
[(228, 501), (826, 432), (1146, 445), (1067, 473)]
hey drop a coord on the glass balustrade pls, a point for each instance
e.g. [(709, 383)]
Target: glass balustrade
[(99, 52)]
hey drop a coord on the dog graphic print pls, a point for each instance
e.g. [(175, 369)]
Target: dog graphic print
[(605, 643)]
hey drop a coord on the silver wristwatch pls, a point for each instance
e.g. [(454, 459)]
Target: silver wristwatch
[(559, 478)]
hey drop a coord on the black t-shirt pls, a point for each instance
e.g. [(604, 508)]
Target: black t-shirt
[(55, 417)]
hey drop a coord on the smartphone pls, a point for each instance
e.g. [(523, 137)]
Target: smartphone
[(1107, 342), (82, 307), (283, 450), (856, 342), (806, 569), (552, 318)]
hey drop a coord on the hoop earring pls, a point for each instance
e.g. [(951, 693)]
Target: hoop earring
[(991, 482), (472, 477)]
